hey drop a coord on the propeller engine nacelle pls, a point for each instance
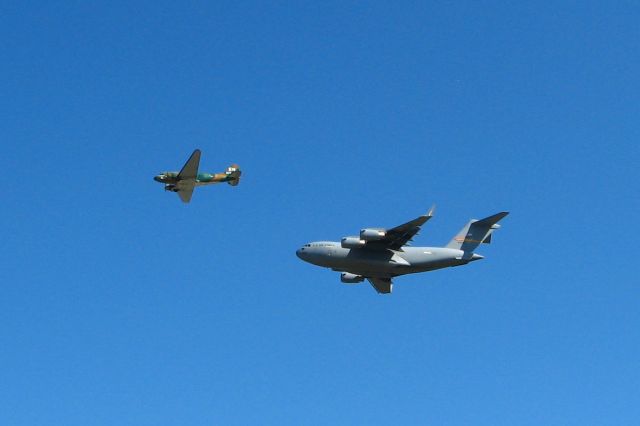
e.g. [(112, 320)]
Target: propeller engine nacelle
[(349, 278), (352, 242), (372, 234), (171, 188)]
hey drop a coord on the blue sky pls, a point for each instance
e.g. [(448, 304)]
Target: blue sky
[(123, 306)]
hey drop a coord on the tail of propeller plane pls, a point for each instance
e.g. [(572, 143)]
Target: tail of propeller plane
[(235, 172)]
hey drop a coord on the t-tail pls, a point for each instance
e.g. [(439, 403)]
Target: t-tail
[(475, 233)]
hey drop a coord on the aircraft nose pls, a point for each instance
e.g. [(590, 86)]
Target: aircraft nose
[(300, 253), (157, 178)]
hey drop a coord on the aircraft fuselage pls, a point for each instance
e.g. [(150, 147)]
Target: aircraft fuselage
[(171, 178), (382, 262)]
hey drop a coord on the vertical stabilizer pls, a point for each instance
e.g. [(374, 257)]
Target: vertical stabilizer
[(475, 233), (234, 172)]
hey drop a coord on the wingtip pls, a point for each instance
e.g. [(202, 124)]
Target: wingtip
[(432, 210)]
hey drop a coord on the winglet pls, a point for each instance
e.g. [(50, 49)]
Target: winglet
[(431, 211)]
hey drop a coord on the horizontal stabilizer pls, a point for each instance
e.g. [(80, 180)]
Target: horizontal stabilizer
[(491, 220)]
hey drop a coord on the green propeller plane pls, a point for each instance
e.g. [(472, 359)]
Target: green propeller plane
[(184, 181)]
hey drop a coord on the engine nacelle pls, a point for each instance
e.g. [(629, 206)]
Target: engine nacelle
[(171, 188), (372, 234), (352, 242), (349, 278)]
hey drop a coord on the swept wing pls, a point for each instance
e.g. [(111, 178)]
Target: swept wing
[(382, 285), (400, 236)]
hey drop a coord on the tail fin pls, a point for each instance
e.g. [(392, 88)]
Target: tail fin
[(476, 232), (235, 172)]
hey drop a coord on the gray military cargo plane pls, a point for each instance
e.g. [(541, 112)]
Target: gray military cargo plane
[(379, 255)]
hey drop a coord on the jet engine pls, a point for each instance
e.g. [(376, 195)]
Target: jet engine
[(352, 242), (171, 188), (372, 234), (349, 278)]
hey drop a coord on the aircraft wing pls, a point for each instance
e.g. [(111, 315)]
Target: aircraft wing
[(382, 285), (185, 194), (190, 168), (185, 189), (399, 236)]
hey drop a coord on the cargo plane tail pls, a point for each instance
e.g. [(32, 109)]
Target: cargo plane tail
[(475, 233)]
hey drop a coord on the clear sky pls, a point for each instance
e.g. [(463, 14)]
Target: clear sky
[(122, 306)]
